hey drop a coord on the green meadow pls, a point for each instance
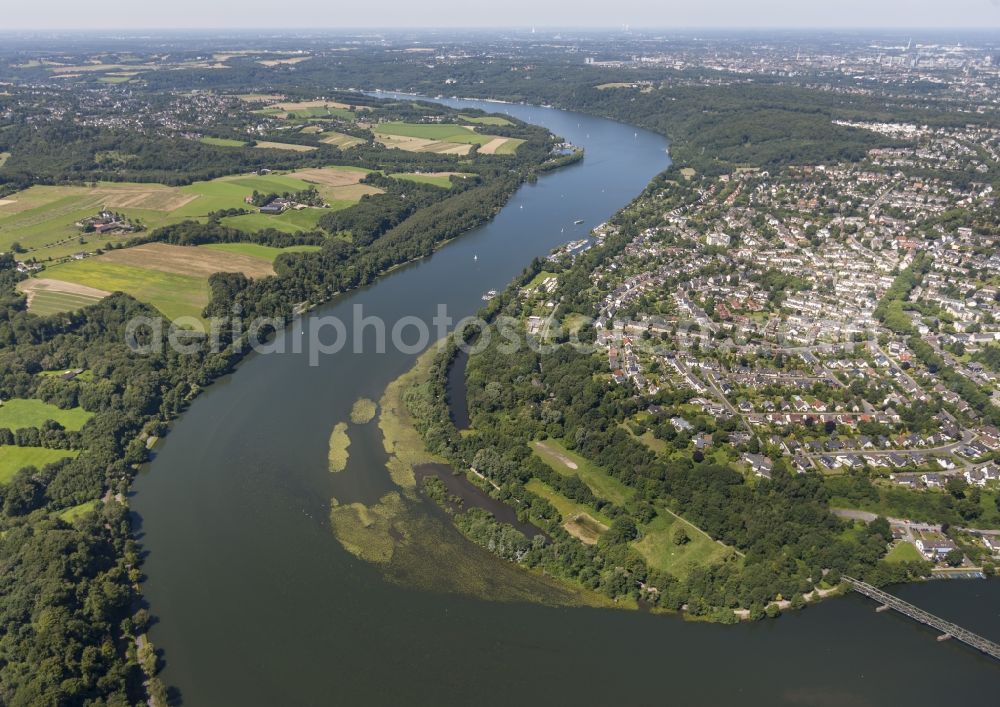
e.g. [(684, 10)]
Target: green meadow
[(173, 294), (567, 507), (485, 120), (904, 552), (569, 463), (435, 131), (264, 252), (71, 514), (341, 140), (13, 459), (222, 142), (44, 303), (435, 180), (28, 412), (658, 546)]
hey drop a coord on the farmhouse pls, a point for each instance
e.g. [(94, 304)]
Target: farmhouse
[(275, 206)]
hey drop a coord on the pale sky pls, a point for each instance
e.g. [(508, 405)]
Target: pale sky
[(333, 14)]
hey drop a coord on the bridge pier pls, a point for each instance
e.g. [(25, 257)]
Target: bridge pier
[(947, 630)]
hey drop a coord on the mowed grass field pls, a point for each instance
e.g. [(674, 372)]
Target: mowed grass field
[(263, 252), (42, 218), (52, 296), (13, 459), (174, 279), (485, 120), (904, 552), (341, 140), (569, 463), (222, 142), (173, 294), (444, 138), (438, 179), (28, 412), (579, 520), (659, 549)]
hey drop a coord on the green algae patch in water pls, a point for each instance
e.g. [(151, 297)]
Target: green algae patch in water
[(339, 442), (370, 533), (363, 411)]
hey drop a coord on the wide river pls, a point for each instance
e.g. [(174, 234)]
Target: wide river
[(258, 604)]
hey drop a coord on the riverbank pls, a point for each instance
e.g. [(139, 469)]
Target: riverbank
[(415, 547)]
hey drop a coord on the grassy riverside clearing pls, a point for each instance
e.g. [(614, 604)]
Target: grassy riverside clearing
[(442, 132), (485, 120), (568, 463), (174, 295), (659, 549), (904, 552), (28, 412), (438, 179), (446, 138), (13, 459), (289, 222), (263, 252), (582, 522), (501, 146), (267, 145), (339, 442), (71, 514), (222, 142), (363, 411)]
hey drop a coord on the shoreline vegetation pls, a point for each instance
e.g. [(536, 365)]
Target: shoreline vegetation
[(410, 543)]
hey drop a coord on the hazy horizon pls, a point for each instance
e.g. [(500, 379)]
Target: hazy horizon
[(315, 15)]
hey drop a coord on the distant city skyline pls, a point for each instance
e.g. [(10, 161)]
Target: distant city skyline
[(401, 14)]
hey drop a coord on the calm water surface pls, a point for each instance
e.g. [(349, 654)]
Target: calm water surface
[(259, 604)]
